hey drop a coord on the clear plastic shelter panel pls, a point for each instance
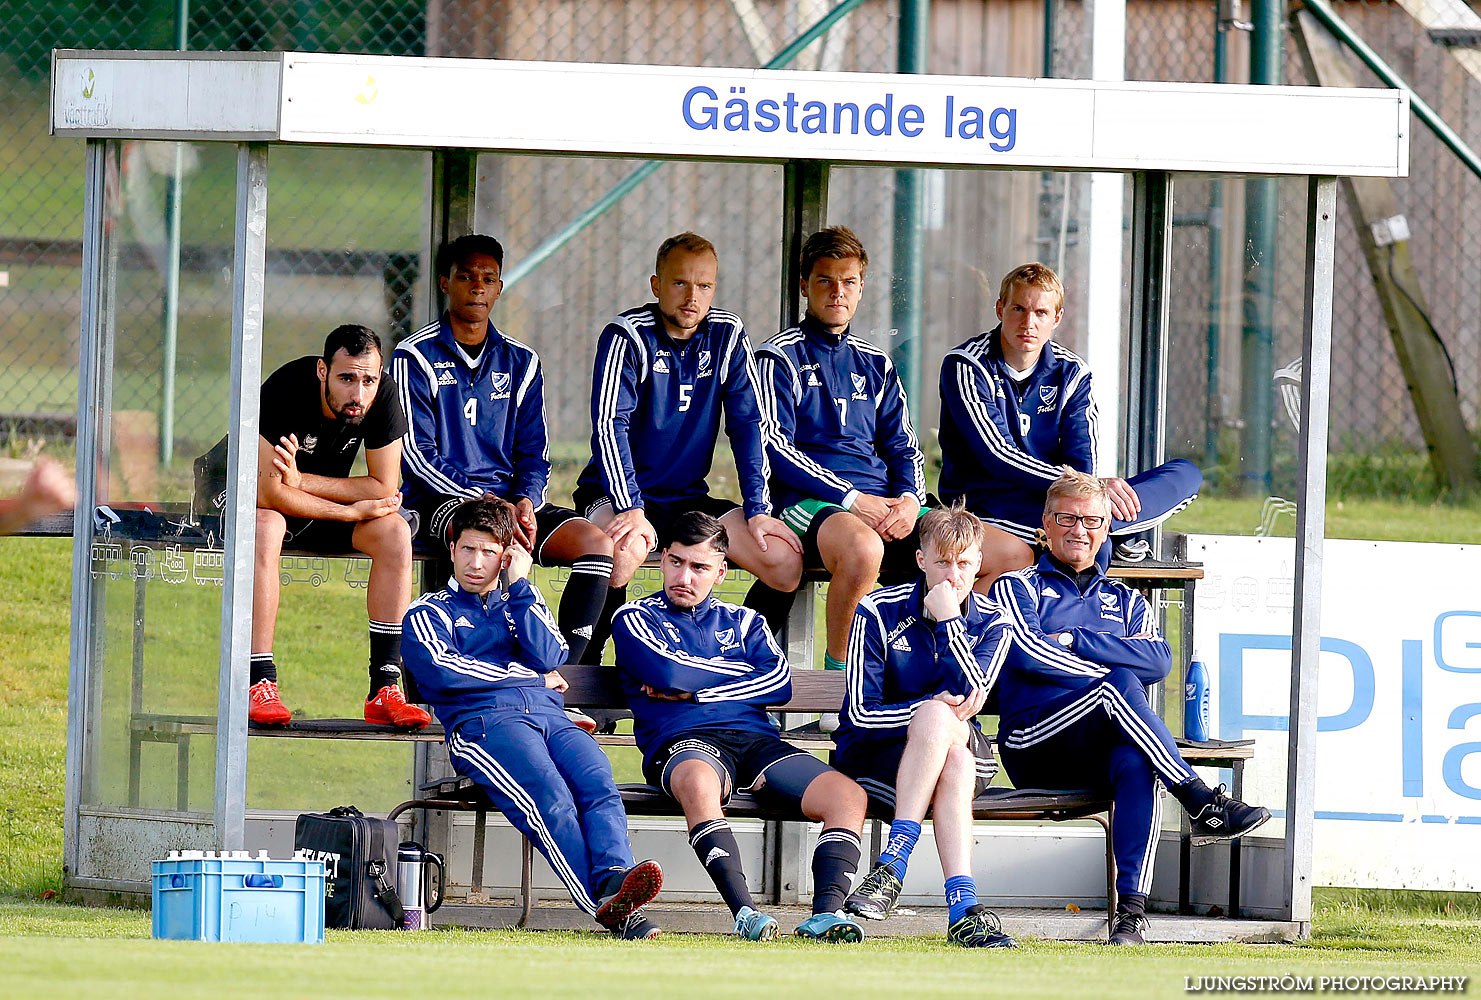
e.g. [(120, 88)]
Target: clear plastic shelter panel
[(157, 558), (345, 228), (1237, 309)]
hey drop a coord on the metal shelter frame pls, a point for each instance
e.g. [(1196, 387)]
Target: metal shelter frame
[(254, 100)]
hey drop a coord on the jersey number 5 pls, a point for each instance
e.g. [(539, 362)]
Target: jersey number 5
[(686, 396), (470, 410)]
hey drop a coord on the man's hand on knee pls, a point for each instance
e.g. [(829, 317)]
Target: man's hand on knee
[(369, 510)]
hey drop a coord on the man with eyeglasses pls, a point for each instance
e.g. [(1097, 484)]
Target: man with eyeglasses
[(1016, 411), (1073, 701)]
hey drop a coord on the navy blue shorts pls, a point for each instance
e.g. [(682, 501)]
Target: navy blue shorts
[(875, 764), (436, 514), (741, 759)]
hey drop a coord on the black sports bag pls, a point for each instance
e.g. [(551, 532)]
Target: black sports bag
[(359, 855)]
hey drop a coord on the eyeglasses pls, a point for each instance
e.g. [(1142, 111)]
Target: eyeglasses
[(1092, 522)]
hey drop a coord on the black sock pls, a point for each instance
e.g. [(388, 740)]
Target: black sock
[(834, 862), (1192, 794), (385, 655), (773, 605), (262, 668), (715, 846), (582, 603), (1131, 902), (602, 631)]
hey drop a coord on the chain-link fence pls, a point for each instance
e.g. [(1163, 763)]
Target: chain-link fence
[(347, 227)]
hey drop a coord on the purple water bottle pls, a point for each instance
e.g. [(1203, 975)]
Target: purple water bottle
[(1195, 700)]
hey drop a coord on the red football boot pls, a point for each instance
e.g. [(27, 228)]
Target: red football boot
[(266, 708), (389, 707)]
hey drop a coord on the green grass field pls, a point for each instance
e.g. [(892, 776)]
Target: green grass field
[(54, 950)]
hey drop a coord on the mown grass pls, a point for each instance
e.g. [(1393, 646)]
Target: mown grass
[(48, 949)]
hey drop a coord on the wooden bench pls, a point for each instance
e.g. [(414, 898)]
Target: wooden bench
[(813, 692)]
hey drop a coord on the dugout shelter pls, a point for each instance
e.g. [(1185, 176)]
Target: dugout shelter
[(246, 105)]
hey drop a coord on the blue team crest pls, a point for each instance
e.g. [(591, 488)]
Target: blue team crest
[(726, 638), (859, 383), (1108, 600), (499, 382), (1048, 393), (704, 363)]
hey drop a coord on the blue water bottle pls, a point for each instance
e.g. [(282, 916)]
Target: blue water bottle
[(1195, 700)]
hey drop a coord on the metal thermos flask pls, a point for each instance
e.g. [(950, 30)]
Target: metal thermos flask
[(412, 861)]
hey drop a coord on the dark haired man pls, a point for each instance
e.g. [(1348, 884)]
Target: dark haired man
[(664, 372), (848, 472), (475, 404), (698, 674), (486, 653), (315, 412)]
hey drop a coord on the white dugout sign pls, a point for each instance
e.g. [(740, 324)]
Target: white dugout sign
[(661, 111)]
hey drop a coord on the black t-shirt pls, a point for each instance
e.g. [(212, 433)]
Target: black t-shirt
[(291, 404)]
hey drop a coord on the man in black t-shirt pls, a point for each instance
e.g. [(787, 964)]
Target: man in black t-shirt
[(315, 413)]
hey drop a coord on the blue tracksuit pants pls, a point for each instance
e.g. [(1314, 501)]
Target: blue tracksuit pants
[(1104, 737), (554, 784)]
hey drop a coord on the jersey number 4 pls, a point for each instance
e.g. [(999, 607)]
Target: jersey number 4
[(470, 410)]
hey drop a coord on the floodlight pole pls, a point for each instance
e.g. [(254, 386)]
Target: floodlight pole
[(908, 249), (173, 198), (1306, 625), (1261, 215)]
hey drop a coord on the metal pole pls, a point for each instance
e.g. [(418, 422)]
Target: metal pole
[(1306, 624), (173, 199), (91, 417), (600, 207), (240, 529), (1261, 216), (908, 246)]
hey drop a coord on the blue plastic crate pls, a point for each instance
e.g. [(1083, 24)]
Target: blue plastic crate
[(205, 897)]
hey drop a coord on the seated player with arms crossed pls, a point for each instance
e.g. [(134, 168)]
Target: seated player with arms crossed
[(922, 659), (847, 469), (486, 654), (475, 405), (663, 373), (315, 412), (1073, 698), (1016, 411), (698, 674)]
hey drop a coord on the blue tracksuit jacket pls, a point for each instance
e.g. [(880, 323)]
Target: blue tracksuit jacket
[(470, 653), (1112, 625), (471, 429), (1003, 442), (655, 411), (898, 658), (719, 652), (842, 419)]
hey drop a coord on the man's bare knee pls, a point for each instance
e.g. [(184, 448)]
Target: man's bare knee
[(850, 548), (695, 783), (384, 538), (272, 527)]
